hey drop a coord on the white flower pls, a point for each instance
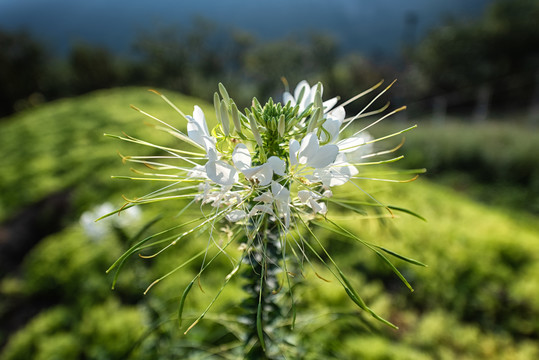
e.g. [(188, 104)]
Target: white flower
[(336, 174), (197, 130), (332, 125), (281, 196), (216, 170), (304, 96), (217, 196), (310, 152), (247, 176), (309, 198), (262, 173), (261, 209), (220, 171), (236, 215), (356, 147)]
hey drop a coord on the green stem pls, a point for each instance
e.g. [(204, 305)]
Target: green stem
[(261, 310)]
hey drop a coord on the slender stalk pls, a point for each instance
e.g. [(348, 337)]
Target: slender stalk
[(261, 309)]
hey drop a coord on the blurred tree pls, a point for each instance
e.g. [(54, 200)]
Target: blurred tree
[(22, 68), (497, 55), (350, 75), (267, 62), (292, 58), (164, 59), (92, 68)]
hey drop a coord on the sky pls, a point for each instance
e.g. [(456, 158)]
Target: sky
[(373, 27)]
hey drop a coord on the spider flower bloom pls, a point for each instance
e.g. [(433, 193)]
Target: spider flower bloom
[(275, 169)]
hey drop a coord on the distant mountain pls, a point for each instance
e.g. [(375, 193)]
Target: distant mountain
[(373, 27)]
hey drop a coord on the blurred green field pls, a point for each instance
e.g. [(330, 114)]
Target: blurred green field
[(478, 298)]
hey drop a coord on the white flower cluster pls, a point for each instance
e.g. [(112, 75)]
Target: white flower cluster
[(280, 160), (309, 167), (264, 172)]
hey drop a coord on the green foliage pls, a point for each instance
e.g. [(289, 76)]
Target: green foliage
[(92, 68), (70, 267), (495, 162), (36, 339), (22, 63), (478, 299), (500, 51), (61, 146), (105, 331)]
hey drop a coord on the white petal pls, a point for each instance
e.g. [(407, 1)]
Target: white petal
[(262, 173), (283, 208), (329, 104), (309, 148), (302, 85), (351, 144), (221, 173), (344, 167), (304, 196), (213, 155), (198, 171), (315, 206), (194, 132), (280, 193), (200, 119), (338, 113), (324, 156), (209, 143), (261, 209), (357, 154), (338, 174), (293, 147), (197, 128), (198, 133), (266, 197), (236, 215), (324, 208), (241, 157), (332, 126), (277, 165), (287, 97)]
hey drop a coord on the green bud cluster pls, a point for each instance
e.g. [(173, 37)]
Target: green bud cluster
[(269, 126)]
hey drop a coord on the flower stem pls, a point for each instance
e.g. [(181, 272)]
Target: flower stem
[(261, 309)]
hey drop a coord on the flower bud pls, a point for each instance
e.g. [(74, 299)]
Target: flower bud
[(281, 126), (224, 93), (225, 121), (254, 130), (313, 121), (236, 118), (217, 107)]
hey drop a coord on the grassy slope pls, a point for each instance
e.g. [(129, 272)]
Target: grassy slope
[(61, 144), (478, 297)]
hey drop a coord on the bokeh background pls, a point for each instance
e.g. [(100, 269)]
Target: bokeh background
[(468, 72)]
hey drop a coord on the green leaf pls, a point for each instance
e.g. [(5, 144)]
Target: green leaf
[(411, 261), (409, 212), (182, 301)]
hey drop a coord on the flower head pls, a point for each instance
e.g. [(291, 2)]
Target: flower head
[(278, 163)]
